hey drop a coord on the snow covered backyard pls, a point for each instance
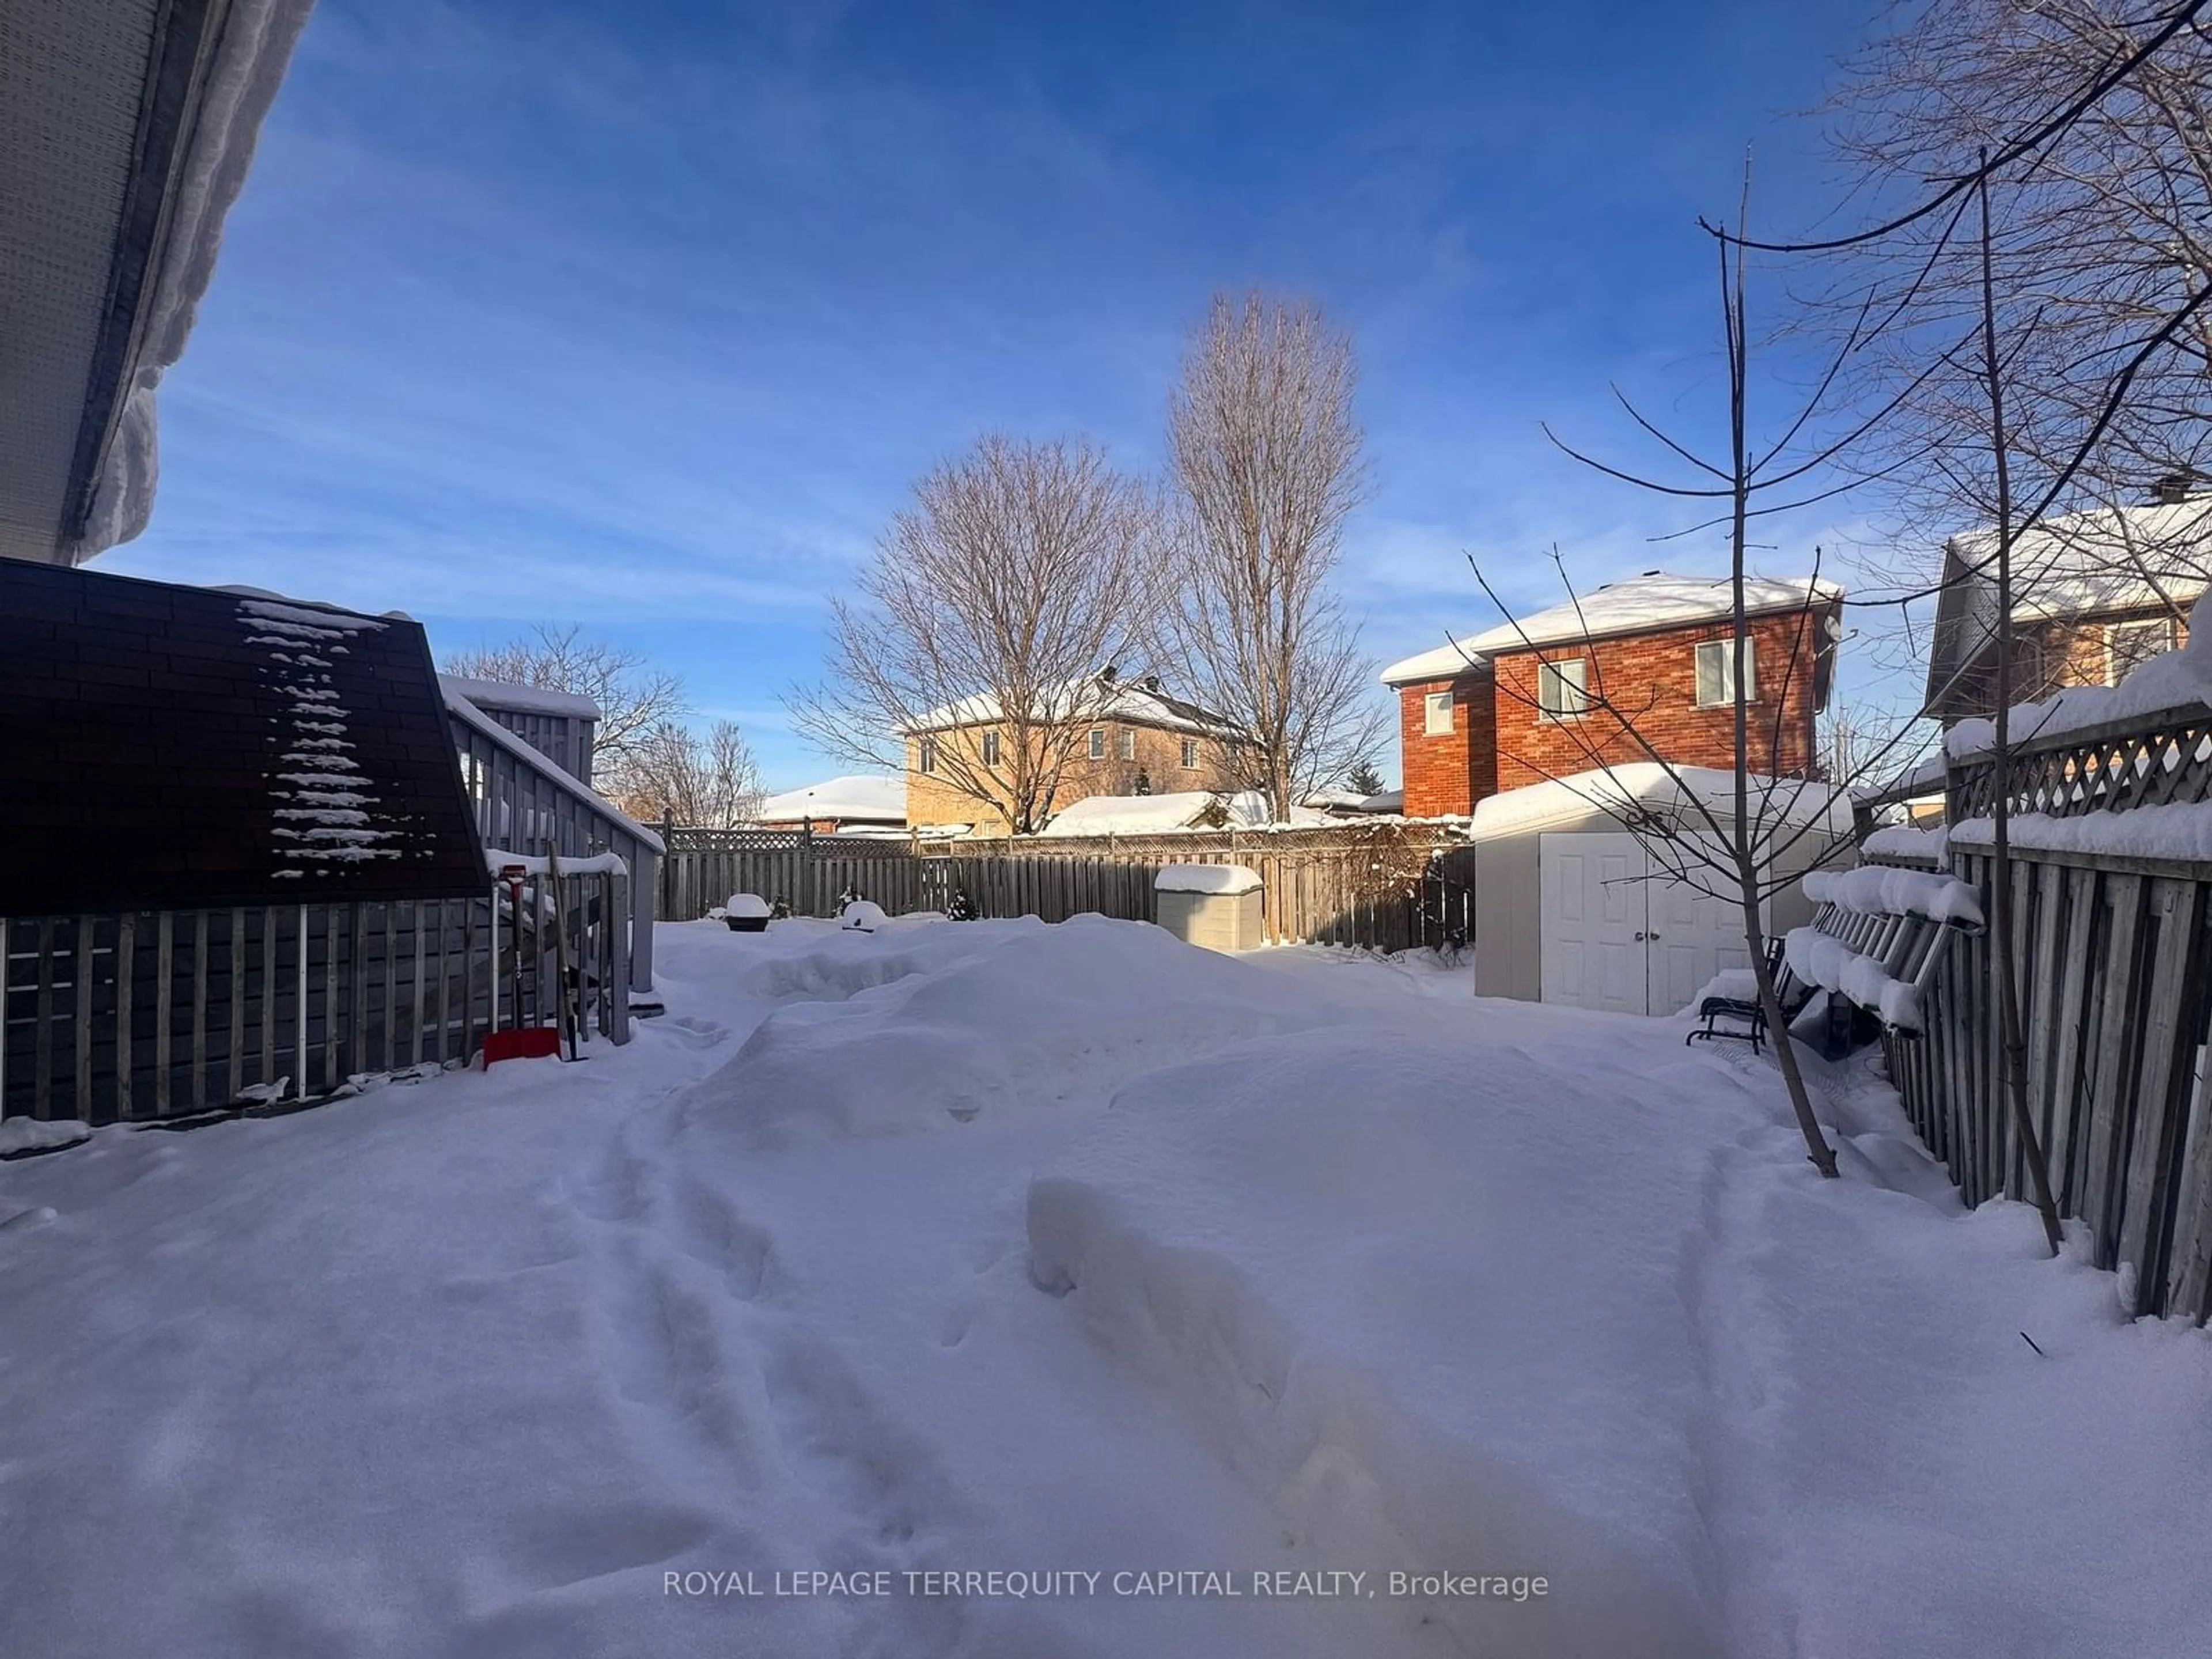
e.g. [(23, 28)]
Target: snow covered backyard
[(890, 1277)]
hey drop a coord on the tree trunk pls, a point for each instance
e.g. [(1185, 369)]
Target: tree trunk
[(2002, 923)]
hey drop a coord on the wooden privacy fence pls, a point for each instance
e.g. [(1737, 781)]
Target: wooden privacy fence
[(2114, 957), (165, 1014), (1388, 887)]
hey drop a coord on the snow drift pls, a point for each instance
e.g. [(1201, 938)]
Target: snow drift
[(1399, 1288), (956, 1022)]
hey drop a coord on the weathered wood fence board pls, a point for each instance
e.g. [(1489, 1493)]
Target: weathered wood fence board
[(2116, 980), (1386, 888), (139, 1017)]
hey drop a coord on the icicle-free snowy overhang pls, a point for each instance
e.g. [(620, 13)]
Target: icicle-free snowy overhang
[(126, 128), (165, 748)]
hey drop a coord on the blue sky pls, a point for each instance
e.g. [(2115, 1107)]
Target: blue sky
[(644, 316)]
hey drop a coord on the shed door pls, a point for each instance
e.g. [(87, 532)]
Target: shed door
[(1617, 933), (1592, 895), (1696, 930)]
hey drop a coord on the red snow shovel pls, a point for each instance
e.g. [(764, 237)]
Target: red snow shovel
[(524, 1043)]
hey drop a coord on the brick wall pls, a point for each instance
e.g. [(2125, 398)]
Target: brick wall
[(1448, 772), (1652, 679), (2052, 656), (933, 799)]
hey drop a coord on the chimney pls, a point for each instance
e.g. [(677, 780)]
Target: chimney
[(2176, 487)]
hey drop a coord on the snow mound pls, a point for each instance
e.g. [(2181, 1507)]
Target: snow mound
[(24, 1134), (863, 916), (746, 907), (1901, 840), (994, 1019), (1427, 1301)]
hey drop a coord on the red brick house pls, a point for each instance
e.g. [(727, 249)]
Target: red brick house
[(1554, 694)]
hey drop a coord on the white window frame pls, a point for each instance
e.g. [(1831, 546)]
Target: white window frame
[(1128, 743), (1097, 750), (1722, 654), (1571, 673), (2113, 629), (1190, 754), (929, 757), (1436, 713), (990, 749)]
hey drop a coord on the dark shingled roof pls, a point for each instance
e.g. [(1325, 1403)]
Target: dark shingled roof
[(170, 747)]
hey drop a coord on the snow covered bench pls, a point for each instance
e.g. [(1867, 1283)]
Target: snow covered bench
[(1878, 936)]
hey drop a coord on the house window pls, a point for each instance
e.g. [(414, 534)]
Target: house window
[(2129, 645), (929, 753), (990, 749), (1716, 674), (1128, 744), (1562, 690), (1436, 713), (1099, 743), (1190, 754)]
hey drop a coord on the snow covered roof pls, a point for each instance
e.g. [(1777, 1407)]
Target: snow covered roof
[(520, 699), (125, 134), (1640, 605), (857, 797), (1649, 787), (1216, 879), (170, 747), (2105, 562), (1136, 703), (1156, 814)]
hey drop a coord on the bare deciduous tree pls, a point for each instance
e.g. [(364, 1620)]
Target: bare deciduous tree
[(1739, 852), (2100, 234), (990, 624), (709, 782), (1265, 457), (635, 700)]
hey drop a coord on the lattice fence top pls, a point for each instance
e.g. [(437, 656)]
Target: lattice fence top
[(683, 837), (2146, 760)]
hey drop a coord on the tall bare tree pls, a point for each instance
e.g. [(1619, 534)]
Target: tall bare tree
[(709, 781), (991, 623), (635, 700), (2099, 236), (1740, 850), (1266, 461)]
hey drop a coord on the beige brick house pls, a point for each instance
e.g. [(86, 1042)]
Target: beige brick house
[(1122, 737), (2094, 594), (1546, 696)]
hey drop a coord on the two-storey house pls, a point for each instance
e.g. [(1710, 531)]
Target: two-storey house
[(1107, 736), (1557, 693), (2092, 595)]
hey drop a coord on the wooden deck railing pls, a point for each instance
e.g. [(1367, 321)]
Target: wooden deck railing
[(526, 803)]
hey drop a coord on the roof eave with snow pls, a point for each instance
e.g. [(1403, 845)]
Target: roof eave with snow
[(1649, 605), (141, 123)]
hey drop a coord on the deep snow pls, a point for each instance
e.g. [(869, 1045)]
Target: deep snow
[(966, 1247)]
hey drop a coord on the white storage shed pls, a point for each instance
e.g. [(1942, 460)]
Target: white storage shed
[(1572, 908), (1216, 906)]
